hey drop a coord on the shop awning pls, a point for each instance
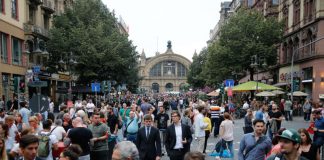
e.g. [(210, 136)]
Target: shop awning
[(280, 84)]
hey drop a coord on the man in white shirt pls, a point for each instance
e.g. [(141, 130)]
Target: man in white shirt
[(246, 105), (90, 108), (200, 126)]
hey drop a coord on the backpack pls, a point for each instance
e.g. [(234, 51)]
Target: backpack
[(44, 145)]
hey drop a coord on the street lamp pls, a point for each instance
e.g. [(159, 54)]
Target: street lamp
[(258, 62), (292, 65), (70, 62)]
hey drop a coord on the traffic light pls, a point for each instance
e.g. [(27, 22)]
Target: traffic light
[(221, 89)]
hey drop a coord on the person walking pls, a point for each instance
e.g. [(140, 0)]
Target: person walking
[(227, 134), (214, 116), (99, 144), (207, 129), (162, 119), (178, 138), (148, 141), (307, 149), (255, 145), (248, 122), (200, 126), (307, 107), (288, 108), (290, 142)]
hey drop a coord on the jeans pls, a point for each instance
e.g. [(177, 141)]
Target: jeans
[(207, 133), (131, 137), (215, 124), (162, 136), (227, 145), (201, 143), (307, 116), (288, 116), (85, 157)]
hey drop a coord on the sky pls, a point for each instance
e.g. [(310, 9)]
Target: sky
[(186, 23)]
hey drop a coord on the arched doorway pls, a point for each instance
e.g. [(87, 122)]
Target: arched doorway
[(155, 87), (169, 87)]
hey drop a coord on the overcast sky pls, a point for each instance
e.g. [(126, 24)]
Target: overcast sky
[(153, 22)]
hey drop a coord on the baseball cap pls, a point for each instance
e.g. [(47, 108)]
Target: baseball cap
[(291, 135)]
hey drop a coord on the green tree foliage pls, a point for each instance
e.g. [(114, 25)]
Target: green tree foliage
[(195, 77), (89, 30), (246, 33)]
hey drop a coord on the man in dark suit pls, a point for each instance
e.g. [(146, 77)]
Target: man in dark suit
[(148, 141), (28, 145), (178, 138)]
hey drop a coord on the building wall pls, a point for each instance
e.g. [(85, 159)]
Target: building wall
[(13, 28), (304, 38), (162, 81)]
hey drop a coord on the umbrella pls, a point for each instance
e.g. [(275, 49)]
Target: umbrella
[(252, 85), (298, 94), (213, 93), (265, 94), (278, 92)]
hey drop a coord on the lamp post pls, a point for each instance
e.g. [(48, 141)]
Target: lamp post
[(292, 65), (257, 62), (69, 64)]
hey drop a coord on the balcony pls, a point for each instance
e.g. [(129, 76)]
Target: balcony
[(31, 29), (36, 2), (48, 6)]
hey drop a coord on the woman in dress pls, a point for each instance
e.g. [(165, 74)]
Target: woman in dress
[(306, 148)]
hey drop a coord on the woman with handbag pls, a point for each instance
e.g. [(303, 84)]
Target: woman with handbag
[(248, 122)]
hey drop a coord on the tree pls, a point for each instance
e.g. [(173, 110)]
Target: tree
[(245, 34), (89, 30), (194, 77)]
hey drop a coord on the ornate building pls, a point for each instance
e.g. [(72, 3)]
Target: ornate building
[(163, 72)]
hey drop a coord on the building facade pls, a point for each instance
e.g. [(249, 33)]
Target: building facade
[(304, 44), (13, 62), (164, 72)]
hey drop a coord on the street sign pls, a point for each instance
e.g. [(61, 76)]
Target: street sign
[(95, 87), (36, 69), (229, 83)]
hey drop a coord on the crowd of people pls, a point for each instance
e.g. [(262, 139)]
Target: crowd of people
[(148, 128)]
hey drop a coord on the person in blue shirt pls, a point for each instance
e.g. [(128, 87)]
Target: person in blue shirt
[(255, 145), (319, 128)]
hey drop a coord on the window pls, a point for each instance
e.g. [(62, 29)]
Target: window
[(182, 70), (3, 47), (309, 10), (2, 6), (296, 12), (14, 9), (16, 51), (308, 73), (275, 2), (46, 21), (156, 70), (31, 14), (169, 68)]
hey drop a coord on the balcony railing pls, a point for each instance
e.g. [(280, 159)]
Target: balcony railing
[(48, 6), (35, 30)]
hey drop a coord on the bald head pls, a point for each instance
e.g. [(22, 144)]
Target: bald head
[(77, 122)]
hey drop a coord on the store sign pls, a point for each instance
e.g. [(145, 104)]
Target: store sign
[(287, 76), (64, 77), (37, 84)]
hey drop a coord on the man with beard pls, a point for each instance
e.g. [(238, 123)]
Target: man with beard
[(100, 132), (255, 145), (289, 141)]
